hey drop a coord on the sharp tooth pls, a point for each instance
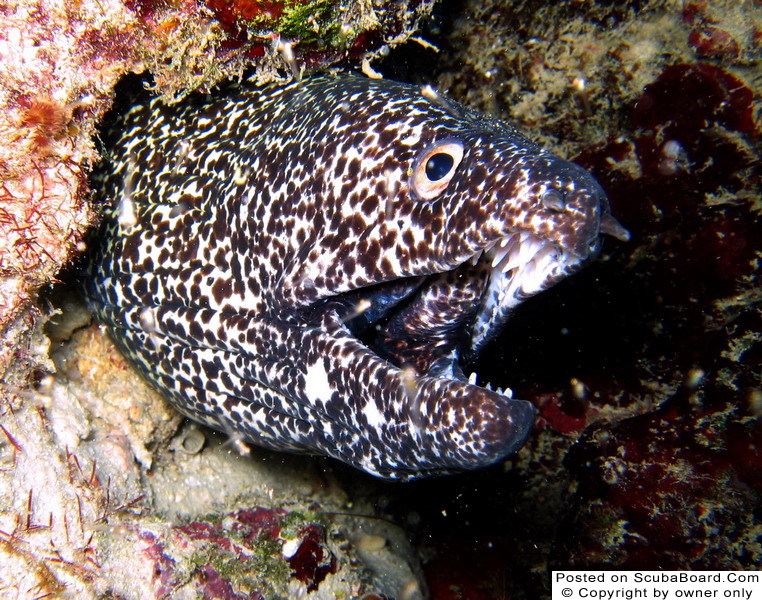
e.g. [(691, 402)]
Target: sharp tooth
[(527, 273), (512, 243), (513, 261), (475, 258), (518, 250), (546, 256), (528, 249), (499, 256), (513, 255), (546, 250), (472, 378)]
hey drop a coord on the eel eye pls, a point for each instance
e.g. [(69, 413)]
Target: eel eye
[(435, 167), (439, 165), (553, 200)]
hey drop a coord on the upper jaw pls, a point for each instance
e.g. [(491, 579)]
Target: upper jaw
[(519, 264), (530, 262)]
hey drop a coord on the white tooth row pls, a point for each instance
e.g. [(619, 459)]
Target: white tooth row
[(518, 251), (508, 392), (531, 275)]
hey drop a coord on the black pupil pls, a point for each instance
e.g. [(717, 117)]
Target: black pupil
[(438, 166)]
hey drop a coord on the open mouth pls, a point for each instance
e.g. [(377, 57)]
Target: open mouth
[(432, 323), (521, 265)]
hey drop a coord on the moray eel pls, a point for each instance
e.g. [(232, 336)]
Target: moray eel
[(306, 265)]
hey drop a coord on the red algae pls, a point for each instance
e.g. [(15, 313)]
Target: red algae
[(236, 15), (671, 491), (242, 550), (558, 416), (688, 98), (312, 562), (727, 33)]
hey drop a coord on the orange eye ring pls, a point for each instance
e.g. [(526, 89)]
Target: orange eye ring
[(434, 168)]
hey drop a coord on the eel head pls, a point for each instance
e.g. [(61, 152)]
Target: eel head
[(456, 219)]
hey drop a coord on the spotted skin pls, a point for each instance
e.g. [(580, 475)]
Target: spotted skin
[(269, 264)]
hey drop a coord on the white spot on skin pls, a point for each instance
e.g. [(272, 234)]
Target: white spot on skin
[(374, 416), (127, 216), (316, 385)]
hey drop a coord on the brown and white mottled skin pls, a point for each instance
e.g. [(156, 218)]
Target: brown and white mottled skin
[(253, 238)]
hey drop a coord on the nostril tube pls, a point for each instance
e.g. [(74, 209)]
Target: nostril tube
[(613, 228), (553, 200)]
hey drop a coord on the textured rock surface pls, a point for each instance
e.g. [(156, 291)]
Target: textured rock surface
[(105, 493)]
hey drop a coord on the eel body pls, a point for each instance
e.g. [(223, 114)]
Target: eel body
[(306, 265)]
